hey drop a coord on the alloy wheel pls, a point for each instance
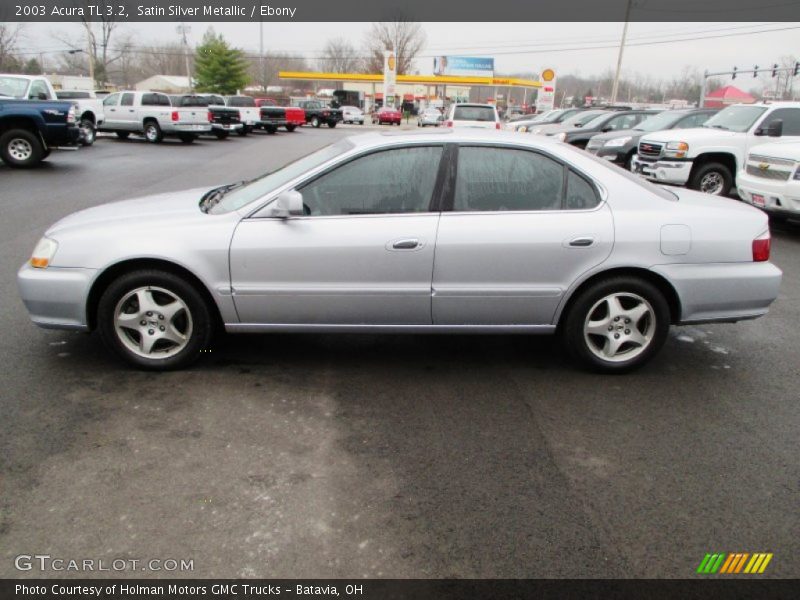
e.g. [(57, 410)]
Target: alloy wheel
[(712, 183), (20, 149), (619, 327), (153, 322)]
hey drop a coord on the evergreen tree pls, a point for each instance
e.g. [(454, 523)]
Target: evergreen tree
[(219, 68)]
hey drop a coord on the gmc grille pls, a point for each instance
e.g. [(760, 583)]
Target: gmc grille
[(649, 150)]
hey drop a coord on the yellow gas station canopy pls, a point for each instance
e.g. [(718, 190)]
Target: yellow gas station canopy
[(416, 79)]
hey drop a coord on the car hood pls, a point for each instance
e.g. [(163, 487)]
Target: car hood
[(788, 150), (161, 208), (697, 134)]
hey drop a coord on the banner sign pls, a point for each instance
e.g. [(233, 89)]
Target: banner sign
[(546, 98), (465, 66)]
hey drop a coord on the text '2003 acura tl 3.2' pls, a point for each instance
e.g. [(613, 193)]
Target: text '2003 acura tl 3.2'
[(451, 232)]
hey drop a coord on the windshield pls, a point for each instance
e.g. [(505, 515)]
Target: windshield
[(663, 120), (594, 122), (582, 118), (13, 86), (736, 118), (258, 188)]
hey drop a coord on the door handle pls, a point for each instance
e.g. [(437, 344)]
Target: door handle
[(408, 244), (581, 242)]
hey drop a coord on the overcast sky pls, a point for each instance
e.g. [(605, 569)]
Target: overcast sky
[(515, 46)]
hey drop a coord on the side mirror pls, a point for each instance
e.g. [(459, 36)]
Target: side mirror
[(288, 204), (775, 128), (606, 129)]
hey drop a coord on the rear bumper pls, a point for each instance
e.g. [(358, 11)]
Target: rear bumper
[(62, 136), (180, 128), (723, 291), (56, 297), (675, 172), (226, 126)]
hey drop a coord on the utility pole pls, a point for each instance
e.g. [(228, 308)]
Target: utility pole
[(261, 64), (183, 30), (615, 88), (90, 52)]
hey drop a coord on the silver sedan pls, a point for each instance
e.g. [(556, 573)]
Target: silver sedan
[(445, 232)]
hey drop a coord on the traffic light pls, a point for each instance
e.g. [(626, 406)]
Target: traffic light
[(774, 70), (755, 71), (734, 72)]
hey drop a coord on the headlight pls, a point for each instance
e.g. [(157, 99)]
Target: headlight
[(617, 142), (522, 128), (561, 136), (676, 149), (43, 253)]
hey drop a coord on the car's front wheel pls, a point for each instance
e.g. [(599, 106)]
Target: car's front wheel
[(154, 319), (712, 178), (315, 122), (21, 148), (153, 133), (617, 324)]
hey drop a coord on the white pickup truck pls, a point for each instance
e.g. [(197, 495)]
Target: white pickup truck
[(89, 110), (770, 180), (152, 115), (36, 87), (707, 158)]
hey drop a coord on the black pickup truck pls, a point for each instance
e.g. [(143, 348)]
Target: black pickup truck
[(224, 120), (318, 114), (272, 117), (31, 129)]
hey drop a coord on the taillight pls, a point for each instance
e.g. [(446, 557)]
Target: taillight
[(448, 123), (497, 125), (761, 247), (175, 115), (210, 117)]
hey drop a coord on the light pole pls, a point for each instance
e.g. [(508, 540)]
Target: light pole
[(615, 88), (183, 30)]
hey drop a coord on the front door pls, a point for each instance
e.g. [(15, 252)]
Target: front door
[(361, 254), (523, 228)]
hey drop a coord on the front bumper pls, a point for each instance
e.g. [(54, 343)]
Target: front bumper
[(675, 172), (723, 291), (56, 297), (780, 197)]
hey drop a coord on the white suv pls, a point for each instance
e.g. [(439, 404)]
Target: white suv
[(770, 179), (482, 116)]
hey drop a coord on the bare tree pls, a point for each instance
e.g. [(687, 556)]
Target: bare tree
[(164, 59), (9, 35), (339, 56), (406, 38)]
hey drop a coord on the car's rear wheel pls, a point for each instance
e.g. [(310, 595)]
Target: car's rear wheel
[(712, 178), (187, 138), (221, 135), (291, 128), (153, 133), (154, 319), (242, 131), (88, 132), (331, 124), (21, 148), (617, 324)]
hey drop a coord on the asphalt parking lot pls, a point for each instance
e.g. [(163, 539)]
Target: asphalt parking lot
[(395, 456)]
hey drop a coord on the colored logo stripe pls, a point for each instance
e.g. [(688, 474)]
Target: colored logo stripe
[(734, 563)]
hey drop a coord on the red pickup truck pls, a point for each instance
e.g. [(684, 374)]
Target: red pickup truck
[(294, 116)]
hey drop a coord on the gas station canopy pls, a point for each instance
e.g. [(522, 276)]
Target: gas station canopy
[(413, 79)]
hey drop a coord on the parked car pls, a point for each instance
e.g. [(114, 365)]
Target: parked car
[(430, 116), (387, 114), (580, 134), (481, 116), (317, 114), (89, 110), (707, 158), (620, 146), (527, 236), (291, 117), (38, 87), (770, 179), (31, 129), (577, 118), (249, 115), (152, 115), (224, 120), (352, 114)]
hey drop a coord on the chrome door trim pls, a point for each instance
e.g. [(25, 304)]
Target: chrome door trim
[(412, 329)]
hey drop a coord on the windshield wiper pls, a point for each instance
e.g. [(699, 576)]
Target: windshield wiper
[(720, 127), (212, 197)]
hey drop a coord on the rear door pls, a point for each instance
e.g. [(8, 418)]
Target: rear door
[(127, 113), (111, 110), (522, 228), (362, 253)]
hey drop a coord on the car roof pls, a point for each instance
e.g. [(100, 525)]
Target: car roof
[(474, 104), (452, 136)]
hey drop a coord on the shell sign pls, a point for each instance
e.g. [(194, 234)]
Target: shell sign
[(548, 75), (392, 62)]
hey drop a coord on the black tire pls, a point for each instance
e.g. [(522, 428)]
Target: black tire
[(187, 138), (199, 312), (123, 135), (629, 160), (271, 129), (331, 124), (315, 122), (153, 133), (21, 149), (705, 174), (291, 128), (589, 304), (221, 135), (88, 132), (242, 131)]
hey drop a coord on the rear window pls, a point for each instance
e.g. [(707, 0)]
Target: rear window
[(72, 95), (474, 113), (190, 101), (241, 101)]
